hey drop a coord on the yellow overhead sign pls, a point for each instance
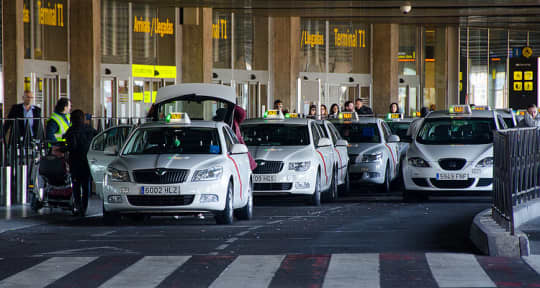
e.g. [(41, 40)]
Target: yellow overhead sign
[(165, 71), (151, 71)]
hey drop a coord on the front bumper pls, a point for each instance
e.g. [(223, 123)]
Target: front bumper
[(286, 183), (427, 179), (367, 172), (128, 198)]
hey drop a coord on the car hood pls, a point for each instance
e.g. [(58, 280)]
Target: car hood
[(170, 161), (433, 153), (281, 153), (361, 148)]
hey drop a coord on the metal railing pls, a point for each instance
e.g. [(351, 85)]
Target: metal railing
[(516, 172)]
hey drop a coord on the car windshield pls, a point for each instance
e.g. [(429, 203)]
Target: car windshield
[(399, 128), (173, 140), (359, 133), (275, 135), (443, 131), (509, 122)]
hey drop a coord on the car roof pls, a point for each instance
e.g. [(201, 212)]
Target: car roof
[(361, 120), (506, 113), (218, 91), (474, 114), (194, 123), (295, 121), (407, 120)]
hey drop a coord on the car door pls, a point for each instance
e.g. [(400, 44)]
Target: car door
[(241, 166), (343, 157), (97, 160), (326, 154), (392, 147)]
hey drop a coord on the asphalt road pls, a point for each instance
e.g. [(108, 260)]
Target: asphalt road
[(295, 244)]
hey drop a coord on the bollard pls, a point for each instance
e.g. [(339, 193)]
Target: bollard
[(24, 183), (6, 171)]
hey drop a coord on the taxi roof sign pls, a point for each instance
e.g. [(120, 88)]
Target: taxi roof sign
[(521, 112), (178, 117), (347, 116), (394, 116), (481, 108), (273, 114), (292, 115), (460, 109)]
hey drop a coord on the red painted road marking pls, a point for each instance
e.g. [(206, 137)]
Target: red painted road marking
[(324, 163), (238, 172)]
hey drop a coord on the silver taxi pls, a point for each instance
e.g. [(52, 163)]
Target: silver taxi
[(181, 166), (292, 155), (399, 125), (341, 156), (373, 150), (451, 151)]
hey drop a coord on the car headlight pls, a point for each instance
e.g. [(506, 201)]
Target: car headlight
[(299, 166), (418, 162), (117, 175), (208, 174), (372, 157), (486, 162)]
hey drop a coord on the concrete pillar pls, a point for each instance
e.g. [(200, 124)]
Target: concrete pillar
[(196, 33), (285, 59), (13, 53), (452, 60), (85, 55), (385, 66)]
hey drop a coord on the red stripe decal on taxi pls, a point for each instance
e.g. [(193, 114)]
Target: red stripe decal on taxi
[(324, 163), (238, 172)]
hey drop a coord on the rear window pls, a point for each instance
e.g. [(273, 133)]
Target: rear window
[(275, 135), (359, 133)]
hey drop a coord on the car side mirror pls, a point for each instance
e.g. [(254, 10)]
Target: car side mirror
[(342, 143), (393, 139), (239, 149), (324, 142), (111, 150)]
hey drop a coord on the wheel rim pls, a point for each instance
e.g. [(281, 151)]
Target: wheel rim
[(250, 201), (230, 212)]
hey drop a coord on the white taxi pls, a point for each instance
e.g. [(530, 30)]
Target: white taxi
[(293, 157), (451, 151), (400, 126), (373, 149), (181, 166), (341, 156)]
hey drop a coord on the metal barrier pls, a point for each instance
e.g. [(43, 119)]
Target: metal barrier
[(516, 171)]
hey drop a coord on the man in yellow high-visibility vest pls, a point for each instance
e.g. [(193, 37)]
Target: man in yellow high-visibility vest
[(59, 122)]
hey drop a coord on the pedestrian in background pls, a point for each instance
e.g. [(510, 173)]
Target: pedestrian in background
[(312, 111), (348, 107), (324, 112), (394, 108), (360, 108), (334, 111), (531, 118), (78, 138), (26, 113), (60, 121)]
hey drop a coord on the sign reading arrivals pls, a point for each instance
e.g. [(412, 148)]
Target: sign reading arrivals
[(153, 26), (523, 79)]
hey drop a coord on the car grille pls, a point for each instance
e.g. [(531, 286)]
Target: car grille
[(272, 186), (268, 167), (452, 163), (422, 182), (168, 200), (484, 182), (152, 176), (451, 184)]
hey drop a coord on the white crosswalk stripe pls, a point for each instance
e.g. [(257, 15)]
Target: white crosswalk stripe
[(533, 261), (147, 272), (457, 270), (46, 272), (344, 270), (249, 271)]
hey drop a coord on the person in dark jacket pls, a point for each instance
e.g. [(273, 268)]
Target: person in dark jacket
[(25, 110), (78, 138), (360, 108)]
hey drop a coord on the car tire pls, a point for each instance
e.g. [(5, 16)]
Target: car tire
[(226, 216), (246, 212), (316, 197), (386, 186), (110, 218), (35, 204), (345, 188), (333, 191)]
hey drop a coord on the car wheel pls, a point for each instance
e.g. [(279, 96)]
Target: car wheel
[(345, 188), (385, 187), (35, 204), (333, 191), (316, 197), (226, 216), (110, 218), (246, 212)]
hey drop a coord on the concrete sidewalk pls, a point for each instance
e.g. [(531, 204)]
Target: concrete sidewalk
[(22, 216), (532, 230)]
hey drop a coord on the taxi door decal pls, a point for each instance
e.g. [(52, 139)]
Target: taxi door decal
[(340, 163), (237, 172), (324, 163), (393, 159)]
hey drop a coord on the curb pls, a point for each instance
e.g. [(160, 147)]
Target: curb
[(493, 240)]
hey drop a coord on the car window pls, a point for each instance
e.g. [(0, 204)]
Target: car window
[(386, 130), (316, 135), (112, 137), (173, 140), (228, 140), (99, 142), (399, 128), (359, 133), (275, 135), (232, 135), (502, 124), (334, 132)]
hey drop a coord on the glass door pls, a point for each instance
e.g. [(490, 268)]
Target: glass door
[(46, 94), (109, 96), (409, 101)]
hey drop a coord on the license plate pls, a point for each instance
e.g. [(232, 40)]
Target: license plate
[(160, 190), (452, 176), (364, 169), (264, 178)]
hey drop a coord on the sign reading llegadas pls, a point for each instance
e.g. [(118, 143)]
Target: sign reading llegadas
[(153, 26)]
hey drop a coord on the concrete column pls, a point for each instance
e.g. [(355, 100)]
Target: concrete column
[(13, 52), (285, 60), (196, 33), (85, 55), (385, 66), (452, 60)]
